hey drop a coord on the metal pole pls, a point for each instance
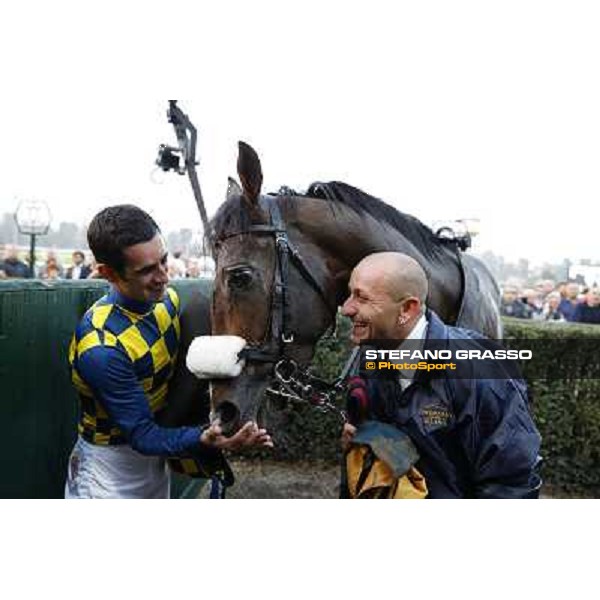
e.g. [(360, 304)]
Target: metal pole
[(32, 256), (187, 137), (193, 176)]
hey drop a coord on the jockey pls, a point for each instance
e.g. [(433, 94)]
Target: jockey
[(122, 357)]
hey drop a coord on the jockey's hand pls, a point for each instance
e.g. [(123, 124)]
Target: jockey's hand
[(347, 436), (248, 435)]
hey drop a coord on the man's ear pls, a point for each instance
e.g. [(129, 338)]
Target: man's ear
[(108, 273), (410, 307)]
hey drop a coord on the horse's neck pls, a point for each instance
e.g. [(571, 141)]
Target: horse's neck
[(346, 237)]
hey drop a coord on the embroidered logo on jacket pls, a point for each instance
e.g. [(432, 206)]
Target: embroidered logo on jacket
[(435, 416)]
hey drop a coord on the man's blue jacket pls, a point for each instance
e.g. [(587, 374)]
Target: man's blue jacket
[(475, 436)]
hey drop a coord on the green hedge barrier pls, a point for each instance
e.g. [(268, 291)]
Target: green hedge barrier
[(38, 408), (567, 412)]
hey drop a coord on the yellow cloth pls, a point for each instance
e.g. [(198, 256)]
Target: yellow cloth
[(370, 477)]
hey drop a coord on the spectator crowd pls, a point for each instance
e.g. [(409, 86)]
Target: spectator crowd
[(12, 266), (547, 301)]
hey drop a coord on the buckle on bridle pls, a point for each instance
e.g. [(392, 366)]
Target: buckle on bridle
[(285, 370)]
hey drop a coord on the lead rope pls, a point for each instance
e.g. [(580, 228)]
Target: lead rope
[(217, 488)]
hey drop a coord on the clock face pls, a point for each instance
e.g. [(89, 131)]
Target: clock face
[(33, 217)]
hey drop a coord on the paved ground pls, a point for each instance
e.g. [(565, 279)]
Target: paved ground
[(270, 479), (262, 479)]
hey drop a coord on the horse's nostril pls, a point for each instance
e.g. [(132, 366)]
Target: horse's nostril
[(229, 415)]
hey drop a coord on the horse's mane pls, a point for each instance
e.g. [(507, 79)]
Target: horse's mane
[(233, 216), (362, 203)]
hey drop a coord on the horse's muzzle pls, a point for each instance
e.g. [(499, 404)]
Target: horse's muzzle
[(237, 401), (228, 415)]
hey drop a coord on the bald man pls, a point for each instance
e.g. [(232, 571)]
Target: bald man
[(475, 437), (387, 297)]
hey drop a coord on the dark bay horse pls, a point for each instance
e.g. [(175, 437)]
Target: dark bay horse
[(283, 264)]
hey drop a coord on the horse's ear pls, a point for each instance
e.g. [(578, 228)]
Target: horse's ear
[(250, 173), (233, 189)]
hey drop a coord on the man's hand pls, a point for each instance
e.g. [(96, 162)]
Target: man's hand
[(248, 435), (347, 436)]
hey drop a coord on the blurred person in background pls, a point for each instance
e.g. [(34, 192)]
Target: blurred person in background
[(51, 261), (206, 266), (78, 270), (533, 301), (177, 269), (588, 311), (544, 287), (2, 273), (512, 305), (12, 266), (193, 268), (52, 273), (569, 302), (547, 287), (551, 310)]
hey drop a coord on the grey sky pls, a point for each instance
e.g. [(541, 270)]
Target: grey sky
[(443, 111)]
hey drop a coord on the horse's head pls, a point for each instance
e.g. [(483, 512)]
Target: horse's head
[(272, 288)]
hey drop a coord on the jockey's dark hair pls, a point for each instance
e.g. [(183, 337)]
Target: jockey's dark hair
[(116, 228)]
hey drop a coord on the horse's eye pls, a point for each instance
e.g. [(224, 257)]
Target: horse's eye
[(240, 278)]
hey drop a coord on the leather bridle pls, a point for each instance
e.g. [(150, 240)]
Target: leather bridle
[(280, 333), (293, 382)]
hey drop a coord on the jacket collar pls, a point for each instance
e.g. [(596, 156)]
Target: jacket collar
[(436, 330)]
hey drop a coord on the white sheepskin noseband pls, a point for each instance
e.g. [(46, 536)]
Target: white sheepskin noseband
[(215, 356)]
